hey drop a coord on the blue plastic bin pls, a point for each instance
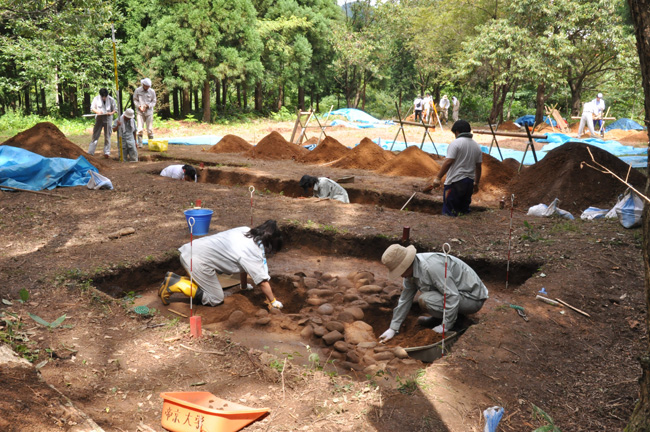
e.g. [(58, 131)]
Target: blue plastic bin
[(202, 218)]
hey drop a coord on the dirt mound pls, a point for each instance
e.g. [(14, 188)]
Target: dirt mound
[(495, 175), (47, 140), (559, 175), (367, 155), (230, 144), (310, 141), (327, 151), (634, 136), (512, 164), (509, 126), (411, 162), (275, 147)]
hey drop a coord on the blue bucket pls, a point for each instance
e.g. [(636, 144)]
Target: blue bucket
[(202, 218)]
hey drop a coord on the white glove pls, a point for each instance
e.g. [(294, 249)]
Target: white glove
[(249, 287), (438, 329), (276, 304), (387, 335)]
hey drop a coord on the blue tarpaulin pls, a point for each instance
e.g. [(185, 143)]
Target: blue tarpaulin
[(355, 115), (530, 120), (23, 169), (624, 124), (358, 125), (614, 147), (191, 140)]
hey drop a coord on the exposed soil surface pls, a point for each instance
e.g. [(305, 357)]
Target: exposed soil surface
[(113, 364), (230, 144), (367, 155), (327, 151), (411, 162), (559, 175), (275, 147), (47, 140), (509, 126)]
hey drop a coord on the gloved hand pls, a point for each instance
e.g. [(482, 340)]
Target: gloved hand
[(436, 182), (276, 304), (387, 335), (438, 329)]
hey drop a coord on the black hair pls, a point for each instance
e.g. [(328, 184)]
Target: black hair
[(190, 171), (307, 182), (103, 92), (268, 234), (461, 126)]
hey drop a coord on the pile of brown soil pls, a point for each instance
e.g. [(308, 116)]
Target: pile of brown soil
[(634, 136), (275, 147), (230, 144), (310, 141), (47, 140), (411, 162), (327, 151), (559, 175), (423, 337), (512, 164), (495, 175), (367, 155), (508, 126)]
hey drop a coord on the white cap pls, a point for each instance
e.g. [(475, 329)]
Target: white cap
[(128, 113), (146, 82), (600, 95)]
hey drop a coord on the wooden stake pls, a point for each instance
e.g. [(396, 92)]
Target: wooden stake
[(574, 308), (35, 192), (177, 313)]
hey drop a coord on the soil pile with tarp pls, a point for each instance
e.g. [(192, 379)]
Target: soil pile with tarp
[(495, 175), (411, 162), (327, 151), (230, 144), (47, 140), (508, 126), (559, 175), (275, 147), (367, 155)]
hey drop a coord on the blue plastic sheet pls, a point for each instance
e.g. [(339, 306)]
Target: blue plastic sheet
[(355, 115), (23, 169), (624, 124), (358, 125), (614, 147), (191, 140), (530, 120)]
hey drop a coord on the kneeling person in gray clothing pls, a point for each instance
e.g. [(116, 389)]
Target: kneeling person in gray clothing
[(425, 272), (125, 127), (324, 188)]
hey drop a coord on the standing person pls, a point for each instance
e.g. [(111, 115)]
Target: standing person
[(425, 272), (324, 188), (417, 107), (587, 118), (104, 107), (144, 99), (463, 169), (125, 127), (455, 105), (426, 108), (240, 250), (180, 172), (599, 111), (444, 109)]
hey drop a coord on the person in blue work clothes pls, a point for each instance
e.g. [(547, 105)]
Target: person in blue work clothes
[(425, 272)]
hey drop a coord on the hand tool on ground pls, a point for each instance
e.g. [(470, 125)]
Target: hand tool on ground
[(446, 248), (409, 200), (520, 311), (512, 206)]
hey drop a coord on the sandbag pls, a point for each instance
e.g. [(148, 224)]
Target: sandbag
[(98, 181), (629, 210), (542, 210), (594, 213)]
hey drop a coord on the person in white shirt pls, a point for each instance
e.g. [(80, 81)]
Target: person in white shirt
[(455, 105), (444, 109), (426, 108), (240, 251), (104, 107), (180, 172), (587, 118), (418, 104), (144, 99), (599, 111), (324, 188), (125, 128)]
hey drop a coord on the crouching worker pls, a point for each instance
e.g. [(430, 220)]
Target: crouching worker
[(239, 250), (180, 172), (425, 272), (324, 188), (125, 127)]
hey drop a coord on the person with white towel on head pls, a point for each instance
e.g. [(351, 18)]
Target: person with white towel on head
[(599, 111), (104, 106), (124, 125), (455, 106), (144, 99), (443, 113)]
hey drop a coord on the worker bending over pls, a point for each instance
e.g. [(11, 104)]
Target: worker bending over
[(588, 112), (463, 169), (425, 272), (324, 188), (239, 250), (180, 172)]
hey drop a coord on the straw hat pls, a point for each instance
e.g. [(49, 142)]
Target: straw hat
[(128, 113), (398, 259)]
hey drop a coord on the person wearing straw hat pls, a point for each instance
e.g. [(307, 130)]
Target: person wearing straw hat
[(324, 188), (125, 127), (240, 250), (425, 272), (144, 99)]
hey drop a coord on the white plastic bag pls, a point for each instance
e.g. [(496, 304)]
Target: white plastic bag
[(594, 213), (492, 418), (629, 210), (98, 181), (542, 210)]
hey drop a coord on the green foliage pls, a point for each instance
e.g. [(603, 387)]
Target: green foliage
[(531, 234), (409, 385), (50, 325), (539, 414), (24, 295), (11, 123)]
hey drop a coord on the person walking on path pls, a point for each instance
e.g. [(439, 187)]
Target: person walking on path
[(125, 127), (104, 107), (425, 272), (463, 169), (444, 109), (455, 106), (144, 99)]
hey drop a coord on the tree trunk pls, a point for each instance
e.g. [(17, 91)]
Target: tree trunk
[(224, 91), (27, 106), (244, 91), (185, 108), (258, 96), (640, 11), (44, 102), (190, 94), (196, 101), (499, 93), (217, 95), (575, 85), (301, 98), (363, 94), (280, 100), (177, 111), (165, 110), (239, 95), (86, 102), (207, 115), (74, 106), (36, 98), (539, 103), (317, 102)]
